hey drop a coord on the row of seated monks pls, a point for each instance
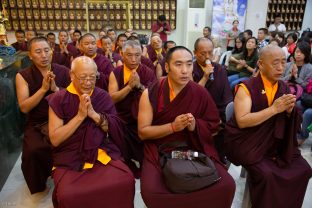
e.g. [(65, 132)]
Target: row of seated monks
[(97, 126)]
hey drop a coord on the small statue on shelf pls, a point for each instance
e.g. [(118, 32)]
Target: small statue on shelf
[(44, 25), (71, 15), (14, 14), (98, 6), (91, 6), (149, 5), (143, 5), (57, 15), (36, 14), (167, 5), (51, 25), (64, 4), (50, 14), (65, 25), (71, 4), (20, 3), (78, 14), (42, 4), (92, 16), (56, 4), (23, 25), (58, 25), (78, 5), (117, 6), (161, 5), (118, 16), (98, 15), (64, 15), (34, 3), (49, 4), (37, 25), (137, 5), (12, 4), (27, 3)]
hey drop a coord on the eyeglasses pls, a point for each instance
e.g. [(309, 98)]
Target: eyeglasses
[(91, 78)]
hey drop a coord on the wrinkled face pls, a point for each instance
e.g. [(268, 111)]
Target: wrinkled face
[(238, 43), (88, 46), (107, 44), (180, 67), (156, 42), (20, 37), (76, 36), (206, 32), (132, 57), (204, 51), (51, 39), (251, 44), (63, 37), (30, 35), (261, 34), (111, 35), (84, 78), (273, 64), (40, 53), (121, 41), (299, 56)]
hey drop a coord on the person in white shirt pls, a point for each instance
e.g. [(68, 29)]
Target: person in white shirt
[(277, 25)]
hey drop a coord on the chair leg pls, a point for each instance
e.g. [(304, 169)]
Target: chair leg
[(246, 199), (243, 173)]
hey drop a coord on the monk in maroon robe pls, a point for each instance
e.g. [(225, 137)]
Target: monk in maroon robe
[(87, 136), (107, 51), (262, 136), (155, 51), (87, 45), (21, 43), (33, 84), (214, 78), (177, 109), (126, 84)]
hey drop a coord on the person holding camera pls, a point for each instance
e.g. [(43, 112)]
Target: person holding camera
[(162, 27)]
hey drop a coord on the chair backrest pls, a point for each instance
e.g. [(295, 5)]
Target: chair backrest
[(224, 58), (229, 110)]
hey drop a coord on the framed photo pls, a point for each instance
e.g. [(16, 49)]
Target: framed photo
[(38, 25), (42, 4), (44, 14), (51, 14), (52, 25), (44, 25), (30, 25)]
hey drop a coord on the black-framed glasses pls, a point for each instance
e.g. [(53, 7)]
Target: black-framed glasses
[(91, 78)]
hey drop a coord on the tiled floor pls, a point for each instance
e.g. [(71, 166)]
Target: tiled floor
[(15, 192)]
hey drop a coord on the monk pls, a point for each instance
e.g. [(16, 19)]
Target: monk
[(63, 53), (87, 45), (126, 84), (261, 136), (33, 84), (114, 57), (218, 87), (87, 138), (121, 39), (177, 109), (155, 51), (21, 43), (160, 67)]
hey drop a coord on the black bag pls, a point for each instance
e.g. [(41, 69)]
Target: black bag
[(306, 100), (184, 176)]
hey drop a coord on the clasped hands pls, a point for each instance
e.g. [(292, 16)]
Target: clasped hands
[(183, 121), (48, 82), (284, 103)]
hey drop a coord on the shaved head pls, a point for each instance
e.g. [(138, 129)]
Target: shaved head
[(269, 50), (83, 61)]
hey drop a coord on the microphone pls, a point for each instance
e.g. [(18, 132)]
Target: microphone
[(208, 62)]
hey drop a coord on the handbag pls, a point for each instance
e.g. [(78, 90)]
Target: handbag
[(306, 100), (184, 175)]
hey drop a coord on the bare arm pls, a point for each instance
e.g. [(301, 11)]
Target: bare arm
[(116, 94), (242, 109), (159, 71), (25, 102), (145, 118), (58, 132)]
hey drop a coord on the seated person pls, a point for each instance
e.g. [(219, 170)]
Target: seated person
[(21, 43), (177, 109), (261, 136), (300, 71), (126, 84), (87, 46), (86, 136), (121, 39), (33, 84), (160, 67), (114, 57), (155, 51), (218, 87), (243, 65)]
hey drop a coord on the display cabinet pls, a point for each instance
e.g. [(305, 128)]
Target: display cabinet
[(45, 15)]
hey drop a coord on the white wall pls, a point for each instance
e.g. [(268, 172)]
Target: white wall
[(307, 19), (256, 15)]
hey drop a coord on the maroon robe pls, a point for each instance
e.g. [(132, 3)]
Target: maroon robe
[(152, 53), (36, 155), (220, 91), (105, 67), (20, 47), (62, 58), (147, 62), (278, 174), (128, 109), (196, 100), (71, 47), (103, 185)]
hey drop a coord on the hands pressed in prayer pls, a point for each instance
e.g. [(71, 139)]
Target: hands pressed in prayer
[(53, 86), (284, 103), (84, 104), (48, 82), (159, 57), (294, 71), (63, 48), (134, 80), (182, 121)]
